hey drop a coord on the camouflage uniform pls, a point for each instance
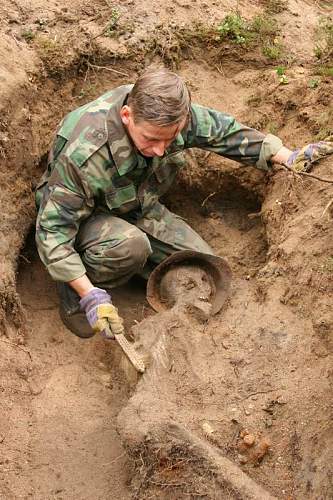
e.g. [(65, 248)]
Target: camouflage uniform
[(98, 200)]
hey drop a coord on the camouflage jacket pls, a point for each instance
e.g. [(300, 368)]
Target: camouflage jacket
[(93, 165)]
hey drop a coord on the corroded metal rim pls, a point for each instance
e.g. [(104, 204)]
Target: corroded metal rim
[(216, 267)]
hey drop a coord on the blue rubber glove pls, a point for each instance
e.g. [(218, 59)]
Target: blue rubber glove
[(301, 160), (101, 314)]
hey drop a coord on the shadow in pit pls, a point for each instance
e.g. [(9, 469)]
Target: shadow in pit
[(228, 217)]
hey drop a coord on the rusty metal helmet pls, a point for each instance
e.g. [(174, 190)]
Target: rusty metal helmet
[(216, 269)]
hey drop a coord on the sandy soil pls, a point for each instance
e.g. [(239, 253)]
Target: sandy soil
[(74, 423), (73, 448)]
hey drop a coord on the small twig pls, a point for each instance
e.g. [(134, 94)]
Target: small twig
[(23, 257), (306, 174), (18, 43), (207, 198), (219, 69), (327, 207), (16, 345), (108, 69), (86, 75)]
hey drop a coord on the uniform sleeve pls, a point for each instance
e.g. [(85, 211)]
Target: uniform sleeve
[(66, 202), (220, 133)]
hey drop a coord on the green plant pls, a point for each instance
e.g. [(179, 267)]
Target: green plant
[(273, 51), (280, 70), (235, 28), (28, 35), (113, 23), (281, 73)]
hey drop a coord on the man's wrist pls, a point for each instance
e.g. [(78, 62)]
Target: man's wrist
[(281, 156), (82, 285)]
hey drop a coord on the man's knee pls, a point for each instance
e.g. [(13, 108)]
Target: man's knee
[(120, 257), (138, 249)]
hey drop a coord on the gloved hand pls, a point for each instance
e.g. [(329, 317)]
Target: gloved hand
[(101, 314), (301, 160)]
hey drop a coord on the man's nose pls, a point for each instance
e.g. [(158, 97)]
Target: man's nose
[(159, 148)]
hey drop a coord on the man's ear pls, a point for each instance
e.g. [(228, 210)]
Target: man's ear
[(125, 114)]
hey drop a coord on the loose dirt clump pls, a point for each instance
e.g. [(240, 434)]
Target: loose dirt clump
[(237, 405)]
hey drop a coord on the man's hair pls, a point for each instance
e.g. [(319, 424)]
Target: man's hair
[(161, 97)]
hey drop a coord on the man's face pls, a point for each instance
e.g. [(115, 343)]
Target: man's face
[(150, 140)]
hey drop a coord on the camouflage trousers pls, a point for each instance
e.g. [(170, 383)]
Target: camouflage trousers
[(114, 249)]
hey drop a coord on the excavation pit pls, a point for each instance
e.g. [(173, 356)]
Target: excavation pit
[(261, 366)]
